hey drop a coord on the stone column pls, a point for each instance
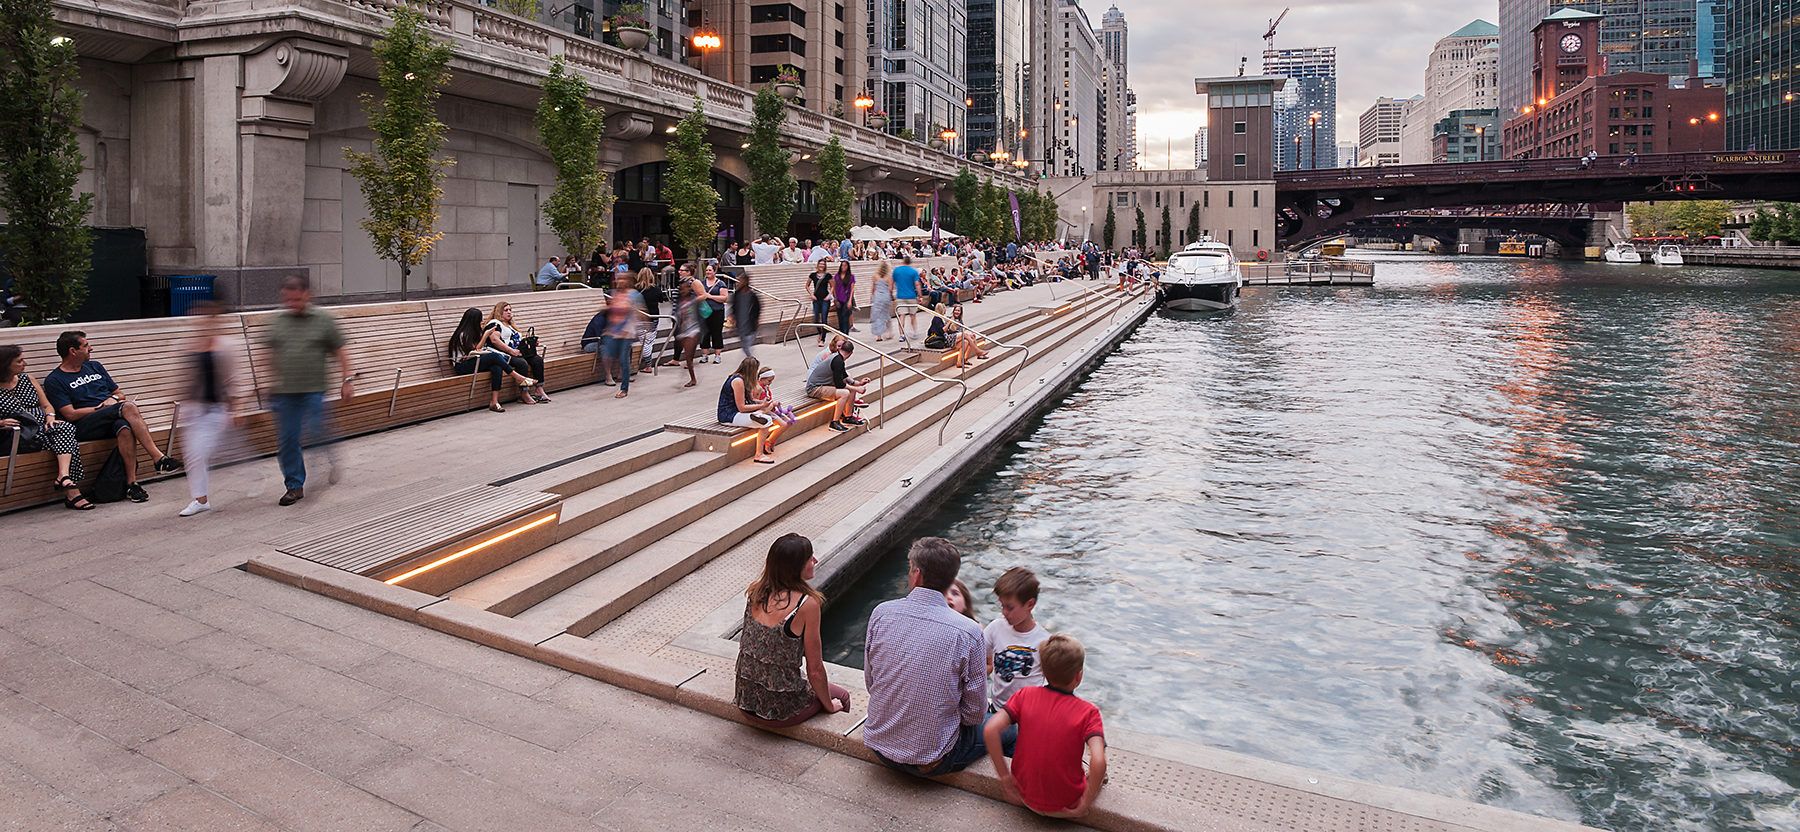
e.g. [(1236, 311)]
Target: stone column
[(274, 117)]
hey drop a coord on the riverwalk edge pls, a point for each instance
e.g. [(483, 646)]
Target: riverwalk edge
[(1308, 799)]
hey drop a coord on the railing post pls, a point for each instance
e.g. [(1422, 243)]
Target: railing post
[(395, 399)]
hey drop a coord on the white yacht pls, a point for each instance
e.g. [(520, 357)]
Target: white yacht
[(1200, 277), (1623, 252), (1667, 255)]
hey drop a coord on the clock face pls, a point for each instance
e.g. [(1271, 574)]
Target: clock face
[(1571, 43)]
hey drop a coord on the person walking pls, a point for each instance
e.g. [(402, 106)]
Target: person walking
[(213, 402), (746, 314), (622, 312), (302, 339), (843, 296), (881, 301), (715, 299)]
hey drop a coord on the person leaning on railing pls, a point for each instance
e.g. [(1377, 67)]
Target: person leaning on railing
[(31, 420)]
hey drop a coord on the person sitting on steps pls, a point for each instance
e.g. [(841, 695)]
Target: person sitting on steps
[(829, 381), (780, 635), (738, 407), (84, 394), (468, 358)]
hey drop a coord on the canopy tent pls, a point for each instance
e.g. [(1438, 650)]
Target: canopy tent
[(869, 232), (912, 232)]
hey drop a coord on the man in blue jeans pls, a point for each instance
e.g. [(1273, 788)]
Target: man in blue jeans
[(926, 669), (301, 339)]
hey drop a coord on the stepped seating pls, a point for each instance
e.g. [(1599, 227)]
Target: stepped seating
[(635, 519)]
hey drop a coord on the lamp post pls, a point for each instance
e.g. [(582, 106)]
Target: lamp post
[(706, 42), (863, 102), (1701, 125), (1296, 153), (1480, 144), (1314, 118), (948, 136)]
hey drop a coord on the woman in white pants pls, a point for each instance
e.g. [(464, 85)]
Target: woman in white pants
[(210, 408)]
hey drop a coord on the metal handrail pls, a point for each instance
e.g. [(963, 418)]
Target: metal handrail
[(1111, 318), (995, 341), (799, 307), (881, 416)]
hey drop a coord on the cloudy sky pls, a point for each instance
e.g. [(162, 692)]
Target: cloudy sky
[(1381, 46)]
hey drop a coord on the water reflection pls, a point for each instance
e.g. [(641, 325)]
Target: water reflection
[(1516, 532)]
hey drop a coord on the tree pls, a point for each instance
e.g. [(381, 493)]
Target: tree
[(1651, 219), (1168, 231), (1701, 217), (523, 8), (966, 205), (401, 178), (570, 130), (1140, 239), (1787, 223), (1049, 217), (772, 186), (835, 195), (1193, 222), (693, 203), (1109, 229), (995, 216), (1762, 226), (46, 238)]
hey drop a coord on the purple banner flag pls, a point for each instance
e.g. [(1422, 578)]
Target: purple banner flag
[(1018, 224), (934, 215)]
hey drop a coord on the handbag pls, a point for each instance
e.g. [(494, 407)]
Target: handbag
[(31, 439)]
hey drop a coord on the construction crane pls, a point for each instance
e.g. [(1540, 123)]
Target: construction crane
[(1269, 39)]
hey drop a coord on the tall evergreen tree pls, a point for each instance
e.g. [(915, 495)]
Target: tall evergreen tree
[(1049, 217), (1140, 237), (1193, 228), (693, 202), (967, 205), (1110, 229), (772, 187), (1762, 226), (1168, 231), (995, 216), (569, 128), (402, 178), (835, 194), (46, 238)]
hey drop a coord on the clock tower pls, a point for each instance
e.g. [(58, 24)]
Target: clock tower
[(1567, 52)]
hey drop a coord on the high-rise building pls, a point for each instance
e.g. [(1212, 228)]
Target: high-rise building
[(916, 63), (823, 39), (1710, 32), (998, 33), (1200, 149), (1467, 136), (1065, 96), (1378, 132), (1306, 107), (1346, 154), (1458, 76), (1762, 92), (1657, 36), (1118, 148)]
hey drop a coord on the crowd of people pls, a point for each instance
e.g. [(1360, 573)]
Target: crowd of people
[(943, 691)]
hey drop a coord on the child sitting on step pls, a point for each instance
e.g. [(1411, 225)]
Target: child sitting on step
[(782, 413)]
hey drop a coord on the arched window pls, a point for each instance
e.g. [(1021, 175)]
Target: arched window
[(887, 210), (806, 197), (644, 183)]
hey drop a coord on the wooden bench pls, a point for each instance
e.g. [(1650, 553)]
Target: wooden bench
[(396, 350)]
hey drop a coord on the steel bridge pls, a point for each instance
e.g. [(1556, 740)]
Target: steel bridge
[(1315, 204)]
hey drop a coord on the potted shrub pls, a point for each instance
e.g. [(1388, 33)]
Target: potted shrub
[(936, 140), (908, 134), (631, 27), (787, 82), (878, 120)]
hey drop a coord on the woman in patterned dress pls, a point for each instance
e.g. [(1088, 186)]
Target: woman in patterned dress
[(21, 401), (781, 628)]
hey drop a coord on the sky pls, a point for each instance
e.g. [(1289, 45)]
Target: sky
[(1381, 45)]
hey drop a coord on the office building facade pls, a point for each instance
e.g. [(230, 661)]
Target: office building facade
[(1306, 107), (820, 38), (997, 58), (917, 65), (1066, 91), (1762, 93), (1657, 36), (1467, 136), (1119, 145), (1378, 133)]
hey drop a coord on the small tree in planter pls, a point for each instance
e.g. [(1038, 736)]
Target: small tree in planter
[(631, 27), (46, 239), (772, 186), (967, 210), (835, 195), (787, 82), (401, 178), (936, 139), (693, 203), (908, 134), (570, 129), (1110, 229)]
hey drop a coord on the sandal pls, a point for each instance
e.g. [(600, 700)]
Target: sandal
[(496, 408), (766, 460), (620, 395), (79, 503), (65, 482), (530, 382)]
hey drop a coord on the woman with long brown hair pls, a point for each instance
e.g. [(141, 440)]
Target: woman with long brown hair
[(781, 628)]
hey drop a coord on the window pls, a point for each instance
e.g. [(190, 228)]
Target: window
[(837, 65), (840, 11), (837, 92), (776, 13), (1231, 198), (840, 39), (1255, 238), (1159, 199), (1206, 199), (1122, 199), (1183, 197), (777, 43), (1230, 237), (1256, 199), (1239, 127), (765, 74), (1238, 160)]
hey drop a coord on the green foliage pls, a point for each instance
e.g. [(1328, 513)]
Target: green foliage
[(1110, 229), (570, 130), (1168, 231), (966, 207), (995, 215), (1762, 226), (1040, 215), (1787, 223), (46, 239), (630, 16), (1140, 237), (908, 135), (1696, 218), (772, 186), (401, 180), (1193, 228), (693, 203), (835, 194), (524, 8)]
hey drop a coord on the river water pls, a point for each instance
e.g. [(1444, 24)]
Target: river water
[(1519, 532)]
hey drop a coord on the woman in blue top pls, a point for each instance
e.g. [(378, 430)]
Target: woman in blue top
[(739, 409)]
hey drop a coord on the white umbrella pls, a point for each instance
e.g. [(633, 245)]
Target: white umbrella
[(912, 232), (867, 232)]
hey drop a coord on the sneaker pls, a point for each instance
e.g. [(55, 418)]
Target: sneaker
[(293, 495), (837, 426), (853, 420), (168, 464), (717, 359), (195, 507), (136, 493)]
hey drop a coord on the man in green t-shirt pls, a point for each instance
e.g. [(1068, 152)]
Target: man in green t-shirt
[(301, 339)]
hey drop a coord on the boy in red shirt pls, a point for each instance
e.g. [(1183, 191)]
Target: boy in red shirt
[(1054, 726)]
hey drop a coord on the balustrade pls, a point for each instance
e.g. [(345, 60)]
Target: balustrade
[(667, 78), (510, 31)]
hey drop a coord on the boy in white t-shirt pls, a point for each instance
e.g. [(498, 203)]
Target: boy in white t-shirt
[(1013, 639)]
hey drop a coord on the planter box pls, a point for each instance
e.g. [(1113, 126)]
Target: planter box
[(789, 91), (633, 38)]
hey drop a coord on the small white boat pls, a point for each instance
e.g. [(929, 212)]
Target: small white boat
[(1667, 255), (1201, 277), (1623, 252)]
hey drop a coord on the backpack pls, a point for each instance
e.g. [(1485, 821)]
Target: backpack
[(109, 485)]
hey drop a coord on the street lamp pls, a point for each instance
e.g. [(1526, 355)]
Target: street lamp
[(863, 102), (1314, 118), (706, 42), (1480, 144), (1697, 122), (948, 136)]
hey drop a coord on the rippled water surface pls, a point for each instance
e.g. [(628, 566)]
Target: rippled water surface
[(1517, 532)]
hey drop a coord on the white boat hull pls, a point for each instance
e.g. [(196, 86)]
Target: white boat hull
[(1199, 297), (1669, 256), (1622, 254)]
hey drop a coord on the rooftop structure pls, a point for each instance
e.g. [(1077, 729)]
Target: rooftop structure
[(1306, 111)]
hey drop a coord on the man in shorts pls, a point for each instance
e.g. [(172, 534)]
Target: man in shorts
[(906, 299), (829, 381), (85, 396)]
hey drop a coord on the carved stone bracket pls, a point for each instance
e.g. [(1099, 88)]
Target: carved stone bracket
[(283, 80), (628, 127), (873, 173)]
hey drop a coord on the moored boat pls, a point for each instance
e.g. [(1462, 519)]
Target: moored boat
[(1667, 255), (1623, 252), (1204, 276)]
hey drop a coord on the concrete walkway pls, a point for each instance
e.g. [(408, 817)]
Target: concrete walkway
[(146, 683)]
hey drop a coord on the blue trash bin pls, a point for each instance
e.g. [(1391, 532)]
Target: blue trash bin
[(185, 290)]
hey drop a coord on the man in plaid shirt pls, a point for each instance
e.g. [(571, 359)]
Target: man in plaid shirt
[(926, 670)]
